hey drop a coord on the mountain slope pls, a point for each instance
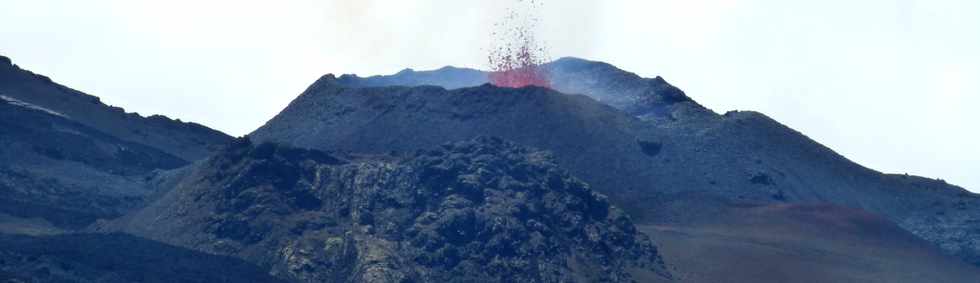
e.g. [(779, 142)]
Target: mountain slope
[(188, 141), (476, 211), (403, 119), (661, 168), (67, 160), (60, 172)]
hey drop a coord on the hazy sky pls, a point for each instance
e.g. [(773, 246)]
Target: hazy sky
[(890, 84)]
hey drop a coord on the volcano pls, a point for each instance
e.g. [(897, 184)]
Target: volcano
[(654, 151)]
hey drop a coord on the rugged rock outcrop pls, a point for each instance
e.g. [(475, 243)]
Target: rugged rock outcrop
[(475, 211)]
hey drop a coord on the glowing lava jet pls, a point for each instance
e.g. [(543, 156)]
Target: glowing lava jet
[(517, 62), (518, 70)]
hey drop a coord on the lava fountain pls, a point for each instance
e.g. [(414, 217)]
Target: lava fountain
[(517, 58)]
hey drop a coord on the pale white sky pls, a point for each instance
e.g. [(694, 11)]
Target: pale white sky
[(890, 84)]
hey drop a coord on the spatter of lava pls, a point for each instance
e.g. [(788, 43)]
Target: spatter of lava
[(516, 61)]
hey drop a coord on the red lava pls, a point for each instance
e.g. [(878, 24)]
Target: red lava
[(517, 61)]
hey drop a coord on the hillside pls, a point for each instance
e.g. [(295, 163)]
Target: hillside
[(69, 160)]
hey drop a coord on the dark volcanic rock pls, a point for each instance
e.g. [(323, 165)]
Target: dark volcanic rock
[(475, 211), (115, 258)]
